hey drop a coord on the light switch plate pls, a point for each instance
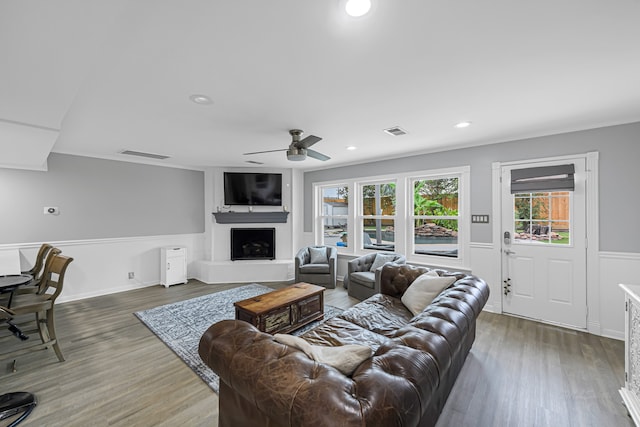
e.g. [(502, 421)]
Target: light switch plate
[(480, 219)]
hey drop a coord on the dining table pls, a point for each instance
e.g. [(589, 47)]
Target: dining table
[(11, 282)]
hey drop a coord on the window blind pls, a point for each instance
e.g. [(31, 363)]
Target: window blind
[(545, 178)]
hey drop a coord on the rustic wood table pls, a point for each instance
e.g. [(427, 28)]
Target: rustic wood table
[(283, 310)]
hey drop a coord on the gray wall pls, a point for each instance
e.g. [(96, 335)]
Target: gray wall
[(99, 199), (619, 164)]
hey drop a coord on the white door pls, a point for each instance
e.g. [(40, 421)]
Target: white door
[(544, 248)]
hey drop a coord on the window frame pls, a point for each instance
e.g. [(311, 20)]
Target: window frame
[(463, 221), (550, 197), (319, 211), (361, 217), (403, 218)]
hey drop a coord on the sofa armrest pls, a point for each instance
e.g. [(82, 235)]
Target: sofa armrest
[(396, 278), (290, 389), (300, 257), (378, 274), (332, 254)]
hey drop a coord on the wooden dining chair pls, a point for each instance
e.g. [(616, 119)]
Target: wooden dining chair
[(34, 286), (41, 304), (36, 270)]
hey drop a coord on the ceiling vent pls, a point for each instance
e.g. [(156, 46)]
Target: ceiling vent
[(141, 154), (395, 131)]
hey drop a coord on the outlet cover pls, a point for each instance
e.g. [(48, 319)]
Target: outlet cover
[(131, 275)]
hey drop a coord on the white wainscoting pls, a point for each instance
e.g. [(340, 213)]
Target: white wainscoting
[(606, 307), (615, 268), (101, 266)]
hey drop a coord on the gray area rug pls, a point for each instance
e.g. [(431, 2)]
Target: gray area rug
[(180, 325)]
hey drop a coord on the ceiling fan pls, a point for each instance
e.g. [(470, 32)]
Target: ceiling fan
[(299, 148)]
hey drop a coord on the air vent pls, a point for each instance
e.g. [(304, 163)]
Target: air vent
[(395, 131), (254, 162), (141, 154)]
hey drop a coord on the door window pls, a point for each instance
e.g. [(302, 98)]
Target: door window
[(542, 217)]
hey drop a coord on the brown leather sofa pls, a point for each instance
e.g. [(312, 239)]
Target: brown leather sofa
[(406, 382)]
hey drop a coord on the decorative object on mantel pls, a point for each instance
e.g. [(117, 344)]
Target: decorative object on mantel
[(180, 325), (250, 217)]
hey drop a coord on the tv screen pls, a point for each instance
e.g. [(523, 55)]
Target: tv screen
[(244, 188)]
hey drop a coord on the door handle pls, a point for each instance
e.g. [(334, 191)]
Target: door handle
[(509, 252)]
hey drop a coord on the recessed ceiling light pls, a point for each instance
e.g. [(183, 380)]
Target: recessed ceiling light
[(357, 8), (351, 148), (463, 125), (201, 99)]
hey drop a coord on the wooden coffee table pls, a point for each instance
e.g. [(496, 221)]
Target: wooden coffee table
[(283, 310)]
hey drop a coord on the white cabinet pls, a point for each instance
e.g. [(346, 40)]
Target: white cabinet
[(173, 266), (631, 391)]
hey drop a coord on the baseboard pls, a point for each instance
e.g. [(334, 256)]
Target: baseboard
[(76, 297), (616, 335)]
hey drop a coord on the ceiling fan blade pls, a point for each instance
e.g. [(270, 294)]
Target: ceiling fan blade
[(316, 155), (260, 152), (308, 141)]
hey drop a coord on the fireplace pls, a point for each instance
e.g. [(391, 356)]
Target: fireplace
[(253, 243)]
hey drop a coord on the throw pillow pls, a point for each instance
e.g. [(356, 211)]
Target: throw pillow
[(345, 358), (423, 290), (318, 255), (382, 259)]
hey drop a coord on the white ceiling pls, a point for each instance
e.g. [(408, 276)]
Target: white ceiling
[(97, 77)]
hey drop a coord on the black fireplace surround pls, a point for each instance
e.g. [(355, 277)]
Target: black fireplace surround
[(253, 243)]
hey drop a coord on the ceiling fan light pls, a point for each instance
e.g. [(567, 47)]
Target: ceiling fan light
[(296, 154), (357, 8)]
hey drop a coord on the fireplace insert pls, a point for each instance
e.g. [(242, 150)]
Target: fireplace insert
[(253, 243)]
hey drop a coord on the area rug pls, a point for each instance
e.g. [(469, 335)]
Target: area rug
[(181, 325)]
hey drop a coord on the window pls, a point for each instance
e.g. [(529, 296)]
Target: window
[(542, 217), (377, 216), (422, 215), (435, 216), (334, 214)]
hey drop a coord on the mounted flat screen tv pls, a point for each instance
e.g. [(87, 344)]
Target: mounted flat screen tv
[(253, 189)]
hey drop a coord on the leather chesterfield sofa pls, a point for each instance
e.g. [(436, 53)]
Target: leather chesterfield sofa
[(406, 382)]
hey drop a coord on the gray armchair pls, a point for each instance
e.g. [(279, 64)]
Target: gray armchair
[(363, 273), (314, 266)]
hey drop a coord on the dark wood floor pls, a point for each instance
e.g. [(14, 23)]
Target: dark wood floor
[(117, 373)]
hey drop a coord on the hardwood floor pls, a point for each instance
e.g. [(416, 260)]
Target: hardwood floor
[(117, 373), (525, 373)]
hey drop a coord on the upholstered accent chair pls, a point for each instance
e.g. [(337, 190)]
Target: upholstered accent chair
[(317, 265), (363, 273)]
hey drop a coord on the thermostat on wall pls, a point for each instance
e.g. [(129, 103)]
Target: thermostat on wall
[(51, 210)]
